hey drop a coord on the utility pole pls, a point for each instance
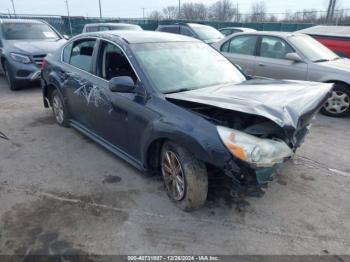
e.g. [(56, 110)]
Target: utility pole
[(70, 24), (332, 10), (143, 13), (179, 15), (13, 6), (99, 4)]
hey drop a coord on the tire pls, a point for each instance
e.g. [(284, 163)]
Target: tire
[(59, 109), (338, 105), (192, 193), (9, 77)]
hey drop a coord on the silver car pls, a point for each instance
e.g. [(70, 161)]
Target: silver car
[(282, 55)]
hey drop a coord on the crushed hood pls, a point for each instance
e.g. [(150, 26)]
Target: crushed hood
[(290, 104)]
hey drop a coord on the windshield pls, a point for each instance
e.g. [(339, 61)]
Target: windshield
[(207, 32), (175, 67), (312, 49), (19, 31)]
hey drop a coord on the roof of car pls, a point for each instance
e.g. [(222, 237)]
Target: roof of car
[(338, 31), (110, 24), (272, 33), (182, 23), (25, 21), (139, 37), (241, 28)]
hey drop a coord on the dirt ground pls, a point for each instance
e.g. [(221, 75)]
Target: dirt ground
[(60, 193)]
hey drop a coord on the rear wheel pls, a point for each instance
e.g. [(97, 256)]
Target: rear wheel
[(185, 177), (338, 105), (9, 77), (58, 108)]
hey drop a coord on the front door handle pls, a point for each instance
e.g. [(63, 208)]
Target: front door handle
[(261, 64)]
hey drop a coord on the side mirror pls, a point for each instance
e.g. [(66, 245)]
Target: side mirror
[(66, 37), (294, 57), (122, 84)]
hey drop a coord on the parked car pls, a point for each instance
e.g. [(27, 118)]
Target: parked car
[(23, 46), (336, 38), (173, 104), (205, 33), (232, 30), (110, 26), (282, 55)]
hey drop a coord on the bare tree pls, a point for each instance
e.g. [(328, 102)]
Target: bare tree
[(194, 11), (223, 10), (258, 12), (155, 15), (170, 12)]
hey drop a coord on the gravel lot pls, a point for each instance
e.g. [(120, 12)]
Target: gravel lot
[(62, 193)]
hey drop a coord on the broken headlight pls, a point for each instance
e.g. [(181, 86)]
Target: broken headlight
[(258, 151)]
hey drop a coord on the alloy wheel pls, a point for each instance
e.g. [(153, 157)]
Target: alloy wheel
[(338, 103), (173, 175), (58, 109)]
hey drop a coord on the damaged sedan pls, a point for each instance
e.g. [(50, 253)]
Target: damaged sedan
[(173, 105)]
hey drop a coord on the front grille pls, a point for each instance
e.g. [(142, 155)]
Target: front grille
[(38, 59)]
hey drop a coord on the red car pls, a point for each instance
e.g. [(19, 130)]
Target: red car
[(336, 38)]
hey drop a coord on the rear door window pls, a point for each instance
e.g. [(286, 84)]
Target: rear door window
[(81, 55), (67, 52), (244, 45)]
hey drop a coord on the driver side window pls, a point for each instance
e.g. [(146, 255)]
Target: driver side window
[(274, 47), (113, 63)]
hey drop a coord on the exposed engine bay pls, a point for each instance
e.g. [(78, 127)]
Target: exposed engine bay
[(252, 124)]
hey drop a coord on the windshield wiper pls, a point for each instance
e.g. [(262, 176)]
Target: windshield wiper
[(178, 90), (321, 60)]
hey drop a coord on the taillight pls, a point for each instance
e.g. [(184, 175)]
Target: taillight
[(43, 64)]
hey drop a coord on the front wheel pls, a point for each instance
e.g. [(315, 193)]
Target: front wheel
[(185, 177), (338, 104)]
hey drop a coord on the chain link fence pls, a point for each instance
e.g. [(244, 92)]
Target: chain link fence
[(74, 25)]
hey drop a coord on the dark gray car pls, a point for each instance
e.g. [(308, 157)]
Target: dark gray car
[(282, 55), (23, 46)]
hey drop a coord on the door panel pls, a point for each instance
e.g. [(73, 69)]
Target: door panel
[(271, 60), (78, 83), (280, 68), (111, 109), (241, 50), (247, 63)]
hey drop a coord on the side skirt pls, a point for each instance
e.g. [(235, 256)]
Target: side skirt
[(112, 148)]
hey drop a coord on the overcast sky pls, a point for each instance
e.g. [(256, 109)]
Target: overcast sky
[(133, 8)]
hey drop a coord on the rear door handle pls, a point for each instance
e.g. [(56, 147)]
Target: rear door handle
[(261, 64)]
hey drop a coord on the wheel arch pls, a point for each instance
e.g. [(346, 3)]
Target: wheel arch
[(151, 153), (337, 82)]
